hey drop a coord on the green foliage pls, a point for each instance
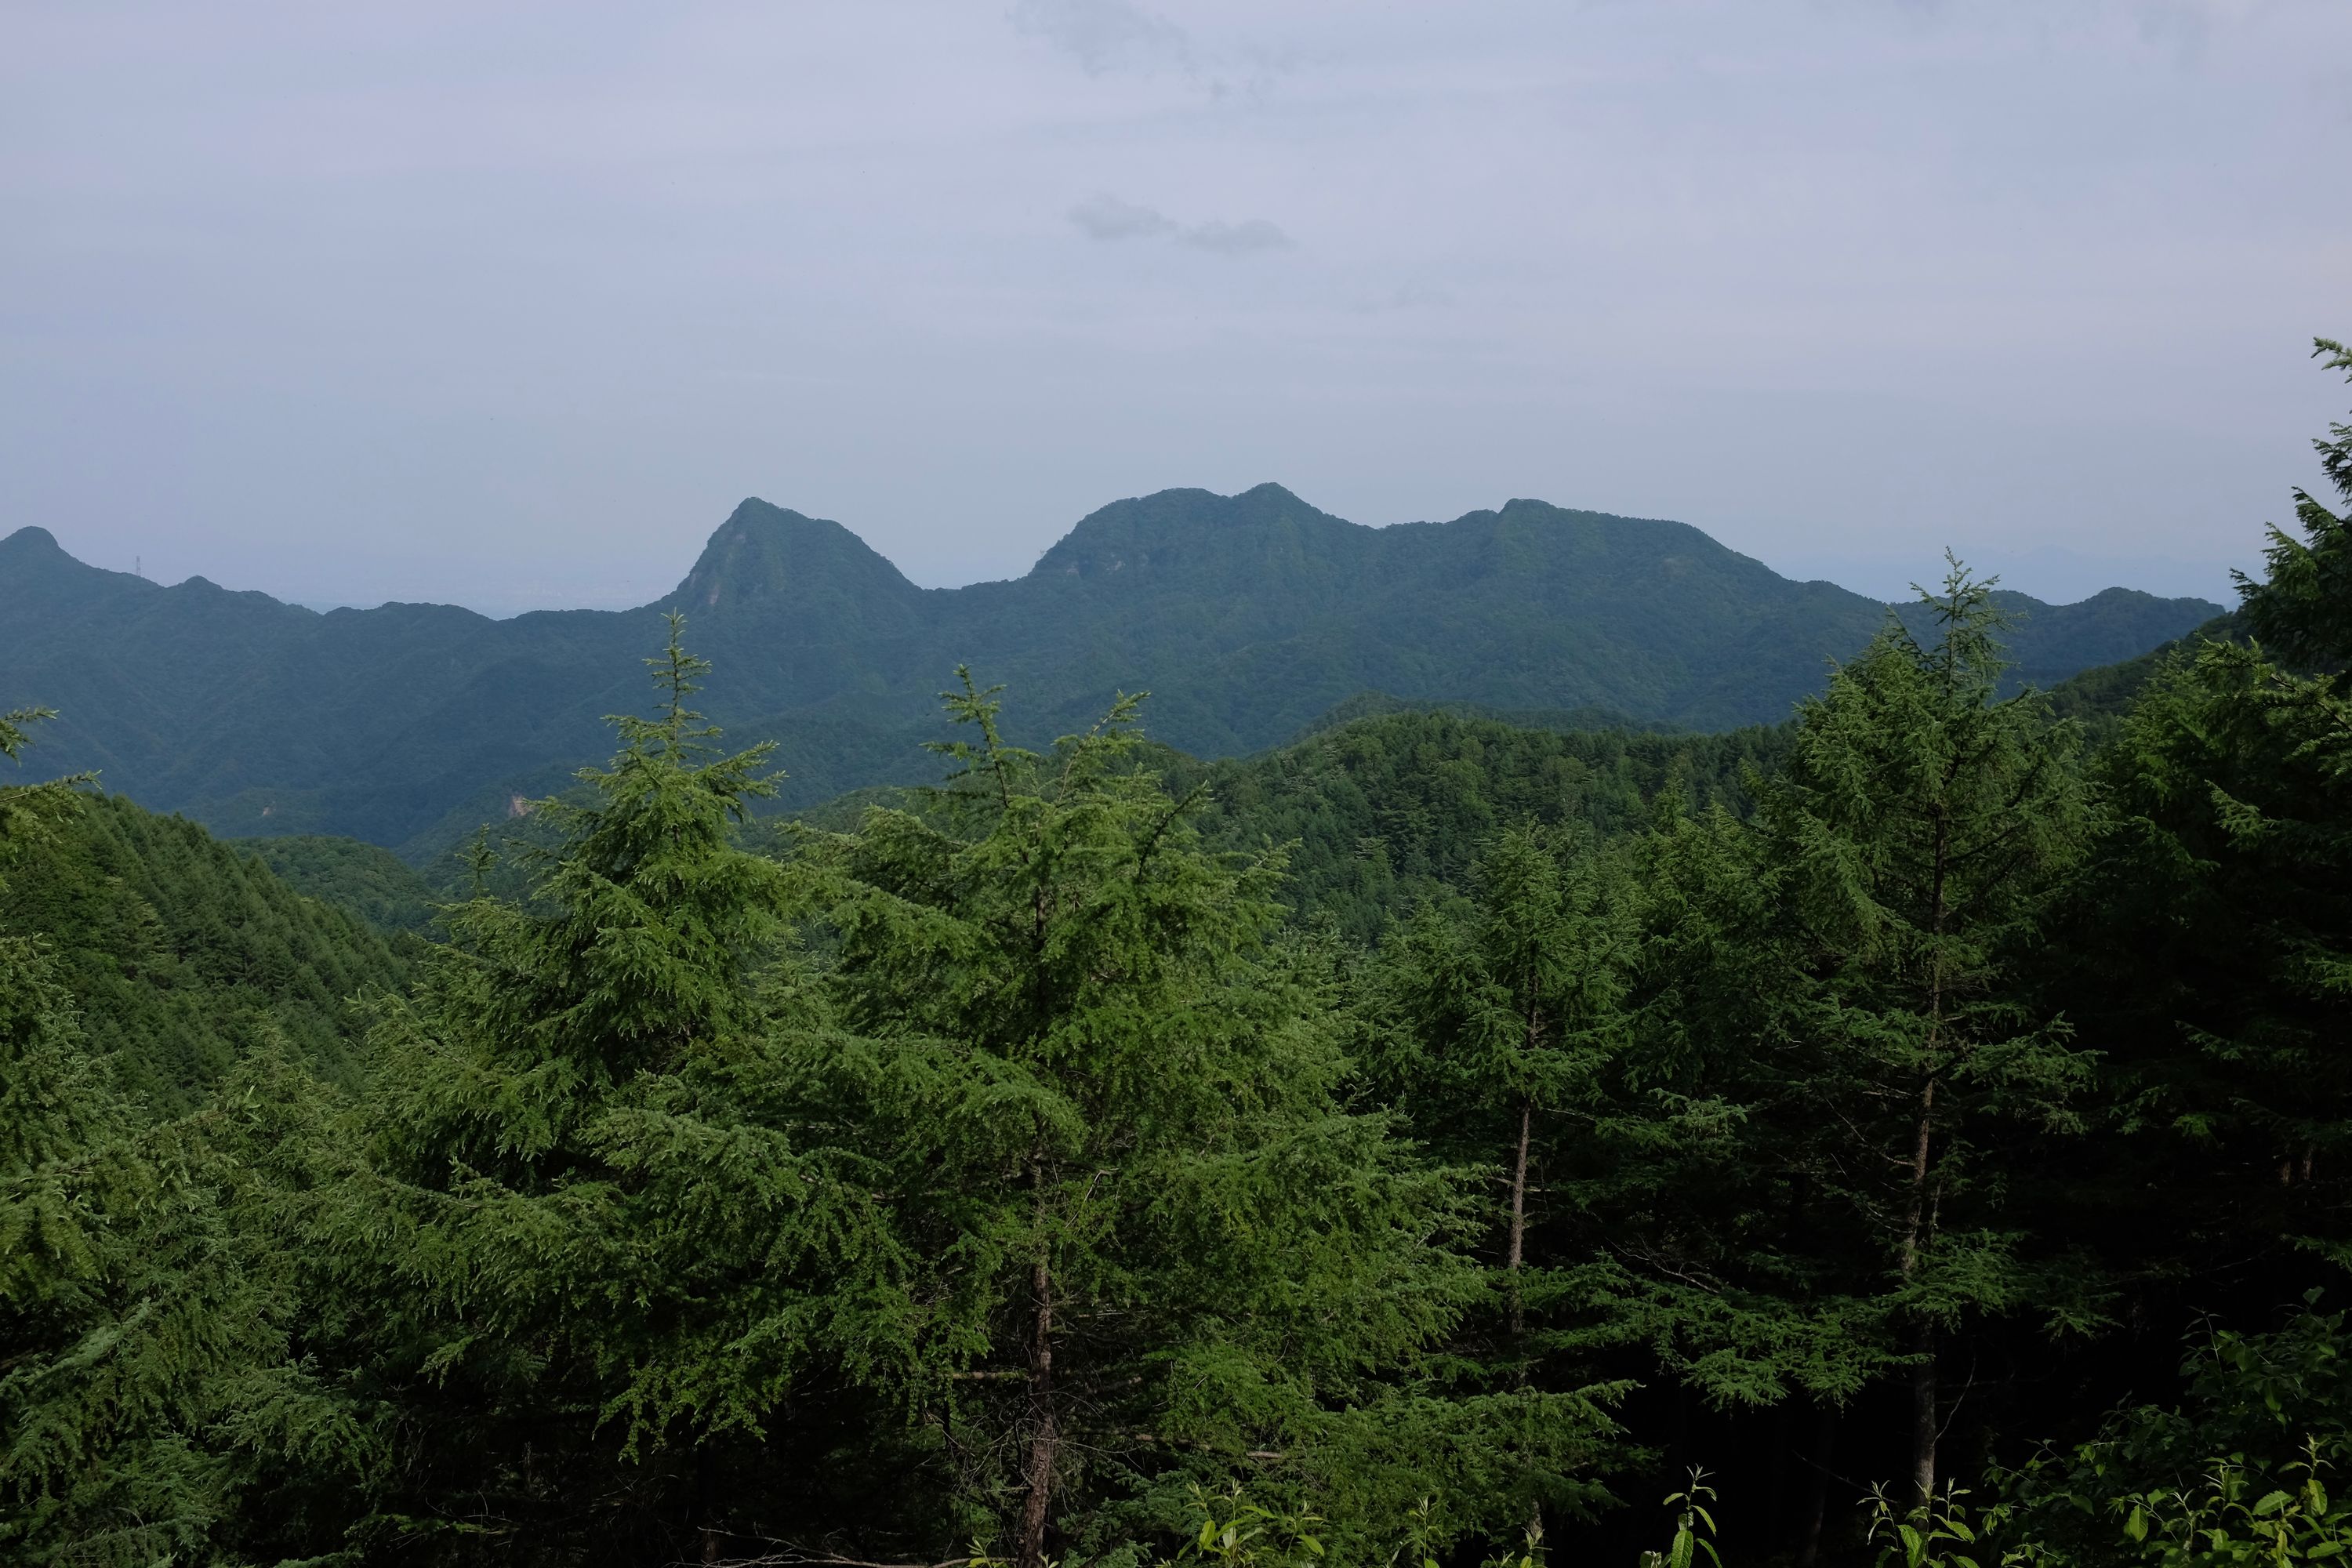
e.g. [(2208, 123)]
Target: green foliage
[(30, 815), (1911, 840), (179, 953), (1512, 1012), (1238, 1533), (143, 1364), (2232, 1520), (359, 878), (1249, 616), (2213, 942), (574, 1232), (13, 738), (1384, 815), (1359, 1152), (1924, 1534), (2100, 697), (1833, 1013), (1168, 1250), (2238, 1474), (1694, 1527)]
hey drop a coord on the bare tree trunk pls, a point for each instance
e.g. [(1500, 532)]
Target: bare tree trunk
[(1923, 1414), (1922, 1332), (1519, 1221), (1518, 1251), (706, 1505), (1921, 1219), (1817, 1501), (1044, 1436)]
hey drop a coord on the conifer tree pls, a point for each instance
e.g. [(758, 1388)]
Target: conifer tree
[(2217, 958), (1158, 1248), (1835, 993), (1512, 1012), (1914, 835), (29, 812), (138, 1353), (583, 1238)]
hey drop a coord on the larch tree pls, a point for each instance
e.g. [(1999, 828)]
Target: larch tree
[(2219, 917), (140, 1356), (577, 1233), (1511, 1009), (1162, 1250), (1912, 839)]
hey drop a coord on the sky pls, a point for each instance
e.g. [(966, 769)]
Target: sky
[(508, 304)]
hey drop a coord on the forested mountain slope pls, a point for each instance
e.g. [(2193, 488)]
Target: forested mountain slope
[(1247, 616), (182, 954), (1384, 813), (363, 879), (1385, 804), (1001, 1173), (1381, 814)]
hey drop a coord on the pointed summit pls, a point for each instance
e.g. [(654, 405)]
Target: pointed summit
[(774, 566)]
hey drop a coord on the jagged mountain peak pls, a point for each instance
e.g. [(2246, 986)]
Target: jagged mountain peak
[(769, 559), (1247, 614)]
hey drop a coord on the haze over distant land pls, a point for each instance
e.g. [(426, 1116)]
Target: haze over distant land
[(499, 305), (1248, 619)]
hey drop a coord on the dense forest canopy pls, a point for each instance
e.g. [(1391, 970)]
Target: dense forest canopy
[(1919, 1132)]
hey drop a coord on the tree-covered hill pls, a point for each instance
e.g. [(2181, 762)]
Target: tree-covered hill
[(180, 952), (1385, 814), (1005, 1173), (1382, 813), (362, 878), (1247, 616), (2100, 697)]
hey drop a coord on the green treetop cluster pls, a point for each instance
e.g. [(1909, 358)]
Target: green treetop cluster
[(1424, 1144)]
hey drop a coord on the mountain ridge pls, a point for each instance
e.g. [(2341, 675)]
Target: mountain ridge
[(1247, 616)]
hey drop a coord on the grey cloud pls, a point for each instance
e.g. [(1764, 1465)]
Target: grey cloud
[(1107, 34), (1104, 217), (1236, 239)]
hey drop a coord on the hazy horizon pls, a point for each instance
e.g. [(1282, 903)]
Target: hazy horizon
[(509, 309), (1892, 580)]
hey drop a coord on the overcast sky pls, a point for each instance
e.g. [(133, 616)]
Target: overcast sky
[(508, 304)]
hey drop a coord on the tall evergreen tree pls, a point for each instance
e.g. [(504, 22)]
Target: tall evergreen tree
[(582, 1249), (1842, 976), (1915, 833), (2215, 949), (141, 1357), (1162, 1250), (1511, 1009)]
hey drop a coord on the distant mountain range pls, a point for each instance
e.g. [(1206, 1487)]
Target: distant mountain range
[(1248, 617)]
